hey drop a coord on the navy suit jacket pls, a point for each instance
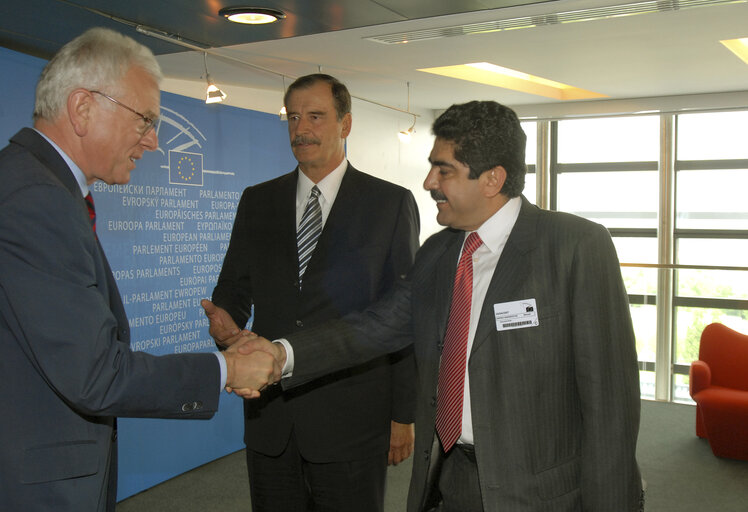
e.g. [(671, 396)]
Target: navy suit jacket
[(369, 240), (555, 407), (66, 368)]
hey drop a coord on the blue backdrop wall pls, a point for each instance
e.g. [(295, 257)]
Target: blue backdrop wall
[(165, 234)]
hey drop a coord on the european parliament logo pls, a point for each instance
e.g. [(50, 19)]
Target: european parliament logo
[(185, 168)]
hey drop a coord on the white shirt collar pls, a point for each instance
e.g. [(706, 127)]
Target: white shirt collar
[(495, 230), (328, 186)]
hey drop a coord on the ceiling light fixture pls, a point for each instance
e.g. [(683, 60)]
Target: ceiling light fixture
[(252, 15), (213, 94), (204, 48), (497, 76), (283, 114), (552, 18), (738, 46), (405, 135)]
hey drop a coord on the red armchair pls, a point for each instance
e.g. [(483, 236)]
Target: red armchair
[(719, 386)]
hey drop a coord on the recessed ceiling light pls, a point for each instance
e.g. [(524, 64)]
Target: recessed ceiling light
[(251, 15), (738, 46), (497, 76)]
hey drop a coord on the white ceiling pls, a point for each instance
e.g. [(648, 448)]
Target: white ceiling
[(647, 55)]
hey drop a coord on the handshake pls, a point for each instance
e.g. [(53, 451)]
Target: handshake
[(252, 362)]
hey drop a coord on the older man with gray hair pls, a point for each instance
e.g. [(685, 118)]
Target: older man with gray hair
[(66, 368)]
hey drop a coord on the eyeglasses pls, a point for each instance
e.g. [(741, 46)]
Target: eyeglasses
[(148, 122)]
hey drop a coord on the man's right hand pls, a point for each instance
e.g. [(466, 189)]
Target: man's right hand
[(250, 371), (262, 349), (222, 328)]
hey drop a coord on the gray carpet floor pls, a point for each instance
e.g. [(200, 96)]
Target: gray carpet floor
[(680, 471)]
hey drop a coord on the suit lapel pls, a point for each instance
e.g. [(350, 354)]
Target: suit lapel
[(511, 270), (445, 282), (338, 224), (338, 221), (284, 217), (51, 160)]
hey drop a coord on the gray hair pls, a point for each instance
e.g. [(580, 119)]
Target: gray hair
[(95, 60)]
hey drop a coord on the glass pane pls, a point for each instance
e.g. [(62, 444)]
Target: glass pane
[(647, 384), (613, 139), (614, 199), (640, 281), (636, 249), (715, 136), (531, 152), (690, 322), (713, 284), (631, 251), (680, 389), (726, 252), (714, 199), (645, 329), (529, 191)]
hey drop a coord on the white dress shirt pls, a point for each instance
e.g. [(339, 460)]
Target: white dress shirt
[(494, 232), (328, 188)]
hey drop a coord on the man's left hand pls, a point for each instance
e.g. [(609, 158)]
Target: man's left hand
[(402, 438)]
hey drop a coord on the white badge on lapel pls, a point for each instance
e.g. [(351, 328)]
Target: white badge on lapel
[(517, 314)]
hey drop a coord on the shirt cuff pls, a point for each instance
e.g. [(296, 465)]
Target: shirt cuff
[(222, 364), (288, 367)]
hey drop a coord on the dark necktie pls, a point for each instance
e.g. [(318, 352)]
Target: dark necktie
[(454, 355), (91, 210), (309, 231)]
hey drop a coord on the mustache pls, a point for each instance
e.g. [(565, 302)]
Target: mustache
[(438, 196), (301, 139)]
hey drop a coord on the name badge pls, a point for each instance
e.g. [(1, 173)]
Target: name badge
[(517, 314)]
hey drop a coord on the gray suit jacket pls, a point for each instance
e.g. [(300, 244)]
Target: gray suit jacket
[(66, 369), (555, 407)]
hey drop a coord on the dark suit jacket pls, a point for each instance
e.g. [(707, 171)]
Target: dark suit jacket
[(66, 369), (555, 407), (369, 239)]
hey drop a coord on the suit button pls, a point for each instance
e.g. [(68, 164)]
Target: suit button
[(114, 435), (187, 407), (296, 284), (433, 401), (299, 323), (426, 454), (198, 405)]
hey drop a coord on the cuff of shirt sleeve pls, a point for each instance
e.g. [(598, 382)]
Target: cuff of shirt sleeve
[(222, 364), (288, 367)]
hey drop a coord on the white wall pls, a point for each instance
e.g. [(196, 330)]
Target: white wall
[(374, 147)]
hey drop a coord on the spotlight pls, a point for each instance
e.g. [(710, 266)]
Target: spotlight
[(251, 15)]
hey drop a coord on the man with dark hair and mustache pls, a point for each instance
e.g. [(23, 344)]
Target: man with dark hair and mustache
[(528, 384), (324, 446)]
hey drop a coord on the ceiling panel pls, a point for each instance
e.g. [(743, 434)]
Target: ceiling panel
[(656, 54)]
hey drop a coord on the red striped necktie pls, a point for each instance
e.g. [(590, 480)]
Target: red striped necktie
[(91, 210), (454, 355)]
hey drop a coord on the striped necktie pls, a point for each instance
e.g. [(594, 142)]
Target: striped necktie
[(309, 231), (454, 355), (91, 210)]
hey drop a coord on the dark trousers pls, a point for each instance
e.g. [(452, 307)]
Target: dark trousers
[(459, 485), (290, 483)]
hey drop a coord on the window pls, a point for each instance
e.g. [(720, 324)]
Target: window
[(609, 171), (531, 130), (711, 232), (606, 170)]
